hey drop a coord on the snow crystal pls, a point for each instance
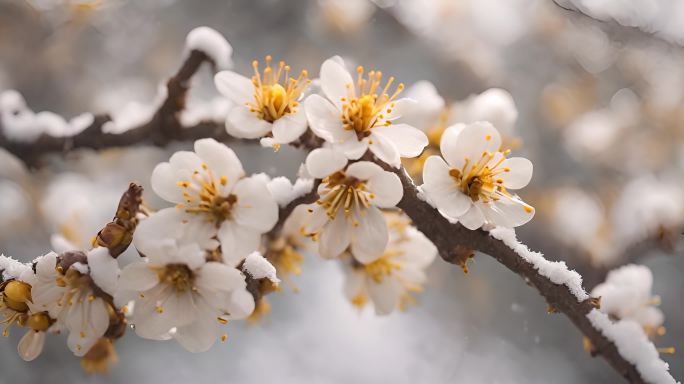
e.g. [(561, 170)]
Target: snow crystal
[(81, 268), (134, 114), (11, 268), (556, 271), (633, 344), (284, 192), (258, 267), (212, 43)]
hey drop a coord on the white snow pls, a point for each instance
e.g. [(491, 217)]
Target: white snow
[(284, 192), (633, 344), (556, 271), (134, 114), (258, 267), (81, 268), (212, 43), (626, 294), (21, 124), (215, 110), (11, 268)]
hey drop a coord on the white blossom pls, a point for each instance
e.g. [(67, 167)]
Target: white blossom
[(389, 280), (178, 293), (266, 105), (354, 117), (214, 201), (347, 213), (472, 185)]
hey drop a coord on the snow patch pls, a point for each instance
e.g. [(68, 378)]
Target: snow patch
[(10, 268), (259, 268), (556, 271), (211, 43), (633, 344)]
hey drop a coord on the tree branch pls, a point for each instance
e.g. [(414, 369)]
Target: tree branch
[(449, 238)]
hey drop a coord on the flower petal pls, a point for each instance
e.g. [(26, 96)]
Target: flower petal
[(508, 213), (242, 304), (164, 183), (442, 189), (222, 161), (138, 276), (201, 334), (335, 237), (255, 208), (325, 120), (323, 162), (471, 143), (335, 81), (473, 218), (31, 345), (289, 127), (408, 140), (214, 276), (520, 172), (237, 242), (235, 87), (352, 147), (370, 236), (385, 150), (244, 124), (386, 188), (385, 295)]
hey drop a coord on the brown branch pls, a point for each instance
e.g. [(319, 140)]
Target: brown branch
[(450, 239), (163, 128)]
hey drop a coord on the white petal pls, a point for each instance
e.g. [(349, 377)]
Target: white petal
[(214, 276), (385, 295), (31, 345), (471, 143), (222, 161), (242, 304), (235, 87), (237, 242), (370, 237), (363, 170), (447, 143), (384, 149), (354, 283), (387, 189), (244, 124), (165, 183), (200, 335), (335, 237), (323, 162), (315, 218), (442, 190), (408, 140), (87, 322), (161, 310), (473, 218), (185, 160), (508, 213), (335, 81), (104, 269), (401, 107), (352, 147), (255, 208), (289, 127), (325, 120), (520, 172)]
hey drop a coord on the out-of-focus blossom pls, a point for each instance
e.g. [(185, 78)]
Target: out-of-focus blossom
[(389, 280)]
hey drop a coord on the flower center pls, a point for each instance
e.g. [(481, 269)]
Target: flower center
[(202, 196), (383, 267), (479, 180), (344, 192), (363, 108), (178, 276), (276, 94)]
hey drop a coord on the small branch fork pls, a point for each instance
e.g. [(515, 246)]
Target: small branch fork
[(450, 239)]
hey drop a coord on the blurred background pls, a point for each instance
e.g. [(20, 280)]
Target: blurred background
[(597, 108)]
